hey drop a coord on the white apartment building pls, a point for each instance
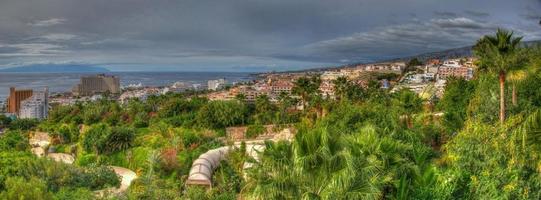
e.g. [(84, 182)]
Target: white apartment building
[(35, 107), (216, 84), (451, 63), (332, 75)]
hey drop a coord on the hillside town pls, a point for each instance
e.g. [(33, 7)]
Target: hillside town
[(427, 80)]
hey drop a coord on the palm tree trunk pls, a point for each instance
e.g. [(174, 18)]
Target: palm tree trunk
[(514, 95), (303, 97), (409, 122), (502, 96)]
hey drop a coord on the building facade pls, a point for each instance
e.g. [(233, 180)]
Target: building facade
[(15, 98), (216, 84), (100, 83), (35, 107), (447, 71)]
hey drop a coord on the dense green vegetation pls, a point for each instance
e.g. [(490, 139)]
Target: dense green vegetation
[(367, 143)]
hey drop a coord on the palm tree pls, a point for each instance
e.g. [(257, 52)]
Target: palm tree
[(522, 71), (317, 165), (305, 87), (498, 54), (529, 133), (285, 102), (272, 177), (515, 77), (340, 87), (240, 97), (264, 108), (409, 103), (302, 88), (330, 169)]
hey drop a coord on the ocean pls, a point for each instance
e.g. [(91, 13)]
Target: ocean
[(63, 82)]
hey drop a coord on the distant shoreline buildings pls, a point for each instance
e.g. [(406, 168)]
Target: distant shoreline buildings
[(427, 80)]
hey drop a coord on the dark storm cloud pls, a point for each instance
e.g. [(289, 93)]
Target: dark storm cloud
[(531, 14), (245, 34), (401, 40)]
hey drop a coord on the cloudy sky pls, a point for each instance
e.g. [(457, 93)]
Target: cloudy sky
[(247, 35)]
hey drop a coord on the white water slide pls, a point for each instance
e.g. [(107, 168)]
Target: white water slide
[(204, 166)]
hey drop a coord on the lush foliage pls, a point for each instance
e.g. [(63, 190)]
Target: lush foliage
[(367, 143)]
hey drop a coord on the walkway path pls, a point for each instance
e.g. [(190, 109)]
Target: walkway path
[(40, 140), (126, 178)]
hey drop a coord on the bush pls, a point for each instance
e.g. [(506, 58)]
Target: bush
[(92, 114), (100, 177), (23, 124), (120, 138), (67, 133), (168, 160), (18, 188), (255, 130), (138, 157), (77, 193), (87, 160), (11, 163), (141, 120), (4, 121), (114, 159), (100, 138), (14, 141), (95, 138), (150, 188), (189, 137), (221, 114)]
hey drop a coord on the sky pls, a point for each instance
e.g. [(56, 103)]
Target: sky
[(247, 35)]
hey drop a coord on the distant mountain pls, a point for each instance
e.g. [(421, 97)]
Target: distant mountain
[(452, 53), (52, 68), (441, 55)]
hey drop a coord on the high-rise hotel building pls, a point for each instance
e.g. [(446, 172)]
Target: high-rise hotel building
[(94, 84)]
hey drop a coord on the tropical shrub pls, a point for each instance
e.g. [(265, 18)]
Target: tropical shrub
[(254, 130)]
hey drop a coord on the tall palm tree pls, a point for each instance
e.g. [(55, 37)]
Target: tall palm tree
[(531, 65), (498, 54)]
